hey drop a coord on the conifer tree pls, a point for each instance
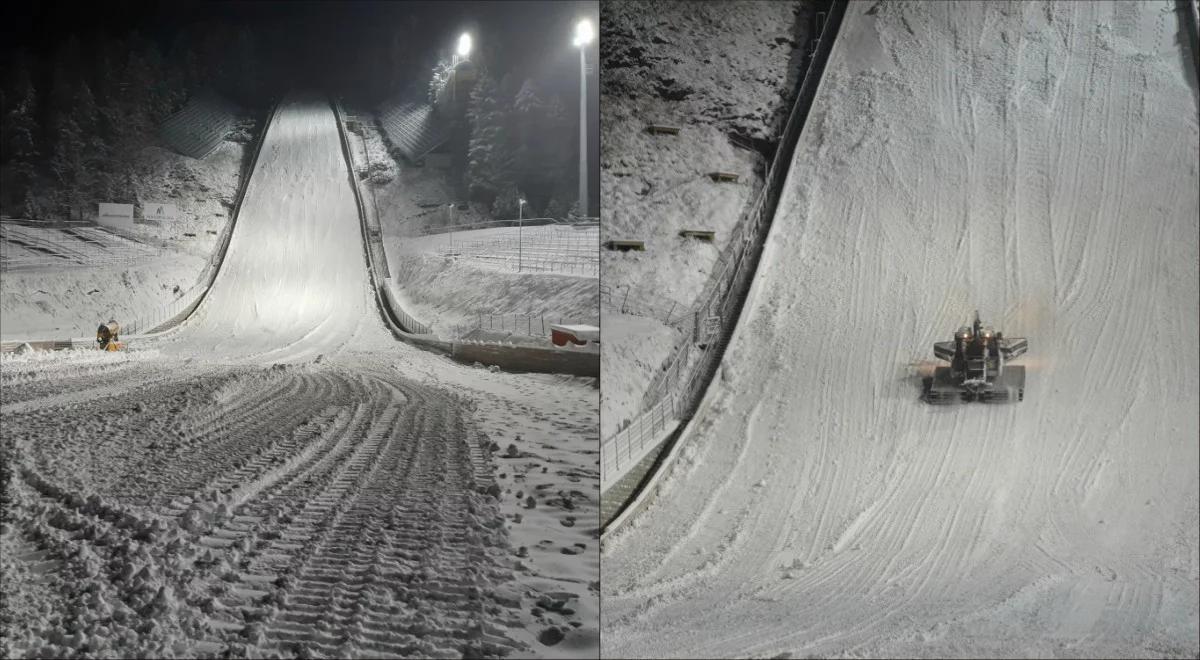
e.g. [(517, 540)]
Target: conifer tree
[(488, 156)]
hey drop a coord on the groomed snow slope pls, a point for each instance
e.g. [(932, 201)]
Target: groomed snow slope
[(1037, 161), (294, 281), (280, 476)]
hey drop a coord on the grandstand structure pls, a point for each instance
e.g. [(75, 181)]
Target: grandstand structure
[(200, 127), (412, 128)]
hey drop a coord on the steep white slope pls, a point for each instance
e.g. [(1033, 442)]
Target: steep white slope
[(294, 281), (1035, 161)]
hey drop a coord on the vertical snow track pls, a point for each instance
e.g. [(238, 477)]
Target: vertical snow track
[(276, 476), (1036, 161)]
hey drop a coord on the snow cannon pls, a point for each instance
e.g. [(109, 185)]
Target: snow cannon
[(978, 369), (106, 336)]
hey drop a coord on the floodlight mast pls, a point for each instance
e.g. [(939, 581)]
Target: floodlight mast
[(583, 37)]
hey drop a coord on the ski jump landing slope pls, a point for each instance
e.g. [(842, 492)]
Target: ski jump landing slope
[(1037, 161), (294, 282)]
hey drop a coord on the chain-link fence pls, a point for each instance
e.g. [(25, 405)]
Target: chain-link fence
[(532, 325), (547, 248), (155, 320), (687, 372), (25, 246)]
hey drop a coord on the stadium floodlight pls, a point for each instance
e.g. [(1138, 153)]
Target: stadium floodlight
[(583, 32), (583, 37), (464, 45)]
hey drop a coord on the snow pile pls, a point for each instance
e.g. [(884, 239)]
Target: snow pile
[(718, 72), (1036, 161)]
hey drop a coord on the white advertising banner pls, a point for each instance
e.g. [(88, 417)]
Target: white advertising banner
[(115, 215), (159, 212)]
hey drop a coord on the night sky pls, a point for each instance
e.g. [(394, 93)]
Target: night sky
[(315, 43), (342, 47)]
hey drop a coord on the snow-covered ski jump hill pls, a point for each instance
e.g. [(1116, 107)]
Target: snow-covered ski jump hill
[(1037, 161), (280, 476)]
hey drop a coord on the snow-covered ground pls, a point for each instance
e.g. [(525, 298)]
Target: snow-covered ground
[(626, 370), (59, 303), (54, 302), (1036, 161), (711, 70), (451, 292), (280, 476)]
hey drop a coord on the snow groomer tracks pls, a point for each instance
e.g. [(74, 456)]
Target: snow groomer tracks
[(314, 511)]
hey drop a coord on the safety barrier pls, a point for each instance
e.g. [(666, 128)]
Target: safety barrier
[(616, 457), (406, 320), (688, 372)]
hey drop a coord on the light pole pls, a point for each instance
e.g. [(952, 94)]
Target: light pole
[(460, 53), (520, 226), (450, 213), (583, 37)]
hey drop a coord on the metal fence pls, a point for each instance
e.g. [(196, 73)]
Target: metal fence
[(406, 320), (24, 246), (644, 429), (533, 325), (552, 248), (635, 302), (153, 320), (686, 374)]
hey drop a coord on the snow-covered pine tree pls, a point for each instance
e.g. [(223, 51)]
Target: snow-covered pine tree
[(555, 209), (489, 160), (20, 130), (505, 206), (441, 72), (528, 111)]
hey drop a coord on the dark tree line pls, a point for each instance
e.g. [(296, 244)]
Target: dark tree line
[(71, 122), (521, 144)]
